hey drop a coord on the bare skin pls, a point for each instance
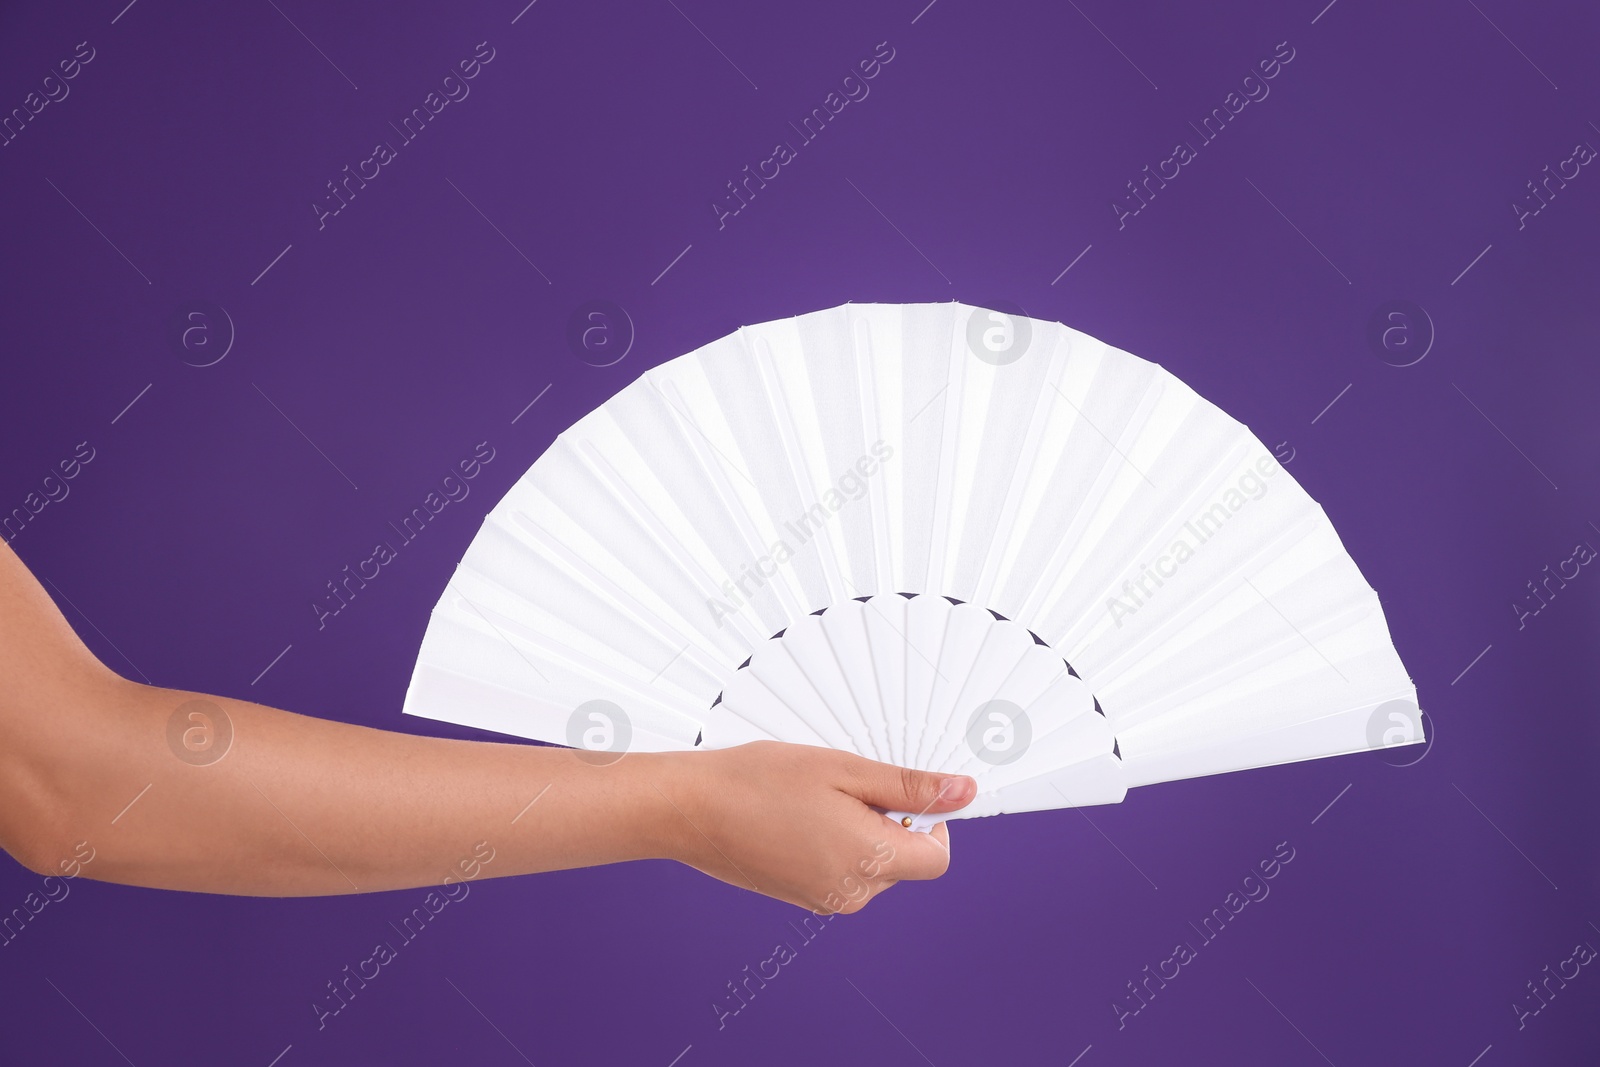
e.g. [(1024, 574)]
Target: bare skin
[(301, 806)]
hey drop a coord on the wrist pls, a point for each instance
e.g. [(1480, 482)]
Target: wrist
[(669, 787)]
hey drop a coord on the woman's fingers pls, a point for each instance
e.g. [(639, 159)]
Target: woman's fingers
[(797, 823), (919, 856), (905, 789)]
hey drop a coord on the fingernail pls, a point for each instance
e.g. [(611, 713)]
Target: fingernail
[(957, 788)]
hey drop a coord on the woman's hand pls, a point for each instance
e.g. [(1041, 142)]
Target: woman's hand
[(793, 821), (91, 767)]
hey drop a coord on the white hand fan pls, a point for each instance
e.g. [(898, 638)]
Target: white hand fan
[(937, 536)]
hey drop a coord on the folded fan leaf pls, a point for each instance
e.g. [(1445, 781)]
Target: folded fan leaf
[(1066, 548)]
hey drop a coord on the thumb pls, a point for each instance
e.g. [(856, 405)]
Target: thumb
[(905, 789)]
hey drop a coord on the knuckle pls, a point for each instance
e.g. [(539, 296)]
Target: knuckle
[(861, 771), (910, 783)]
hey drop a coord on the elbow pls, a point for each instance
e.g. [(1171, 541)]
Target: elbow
[(44, 841), (45, 845), (54, 758), (37, 823), (28, 844), (29, 852), (56, 857), (33, 836)]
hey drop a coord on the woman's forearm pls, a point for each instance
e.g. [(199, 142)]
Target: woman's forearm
[(123, 782), (299, 805)]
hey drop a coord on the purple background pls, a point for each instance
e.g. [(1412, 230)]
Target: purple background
[(408, 329)]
